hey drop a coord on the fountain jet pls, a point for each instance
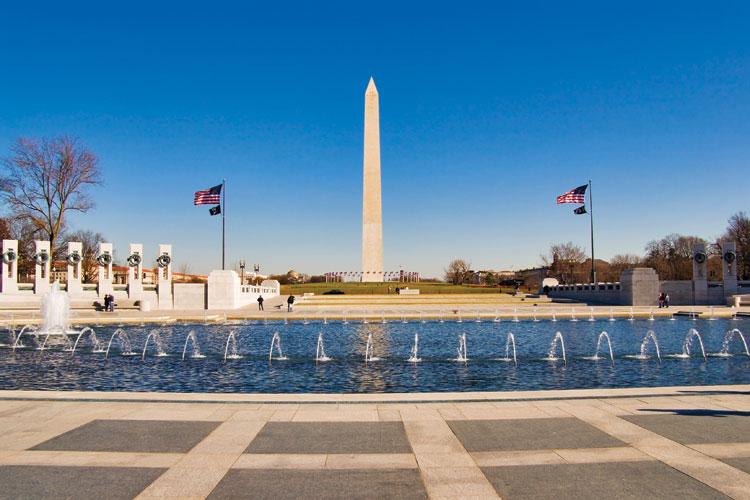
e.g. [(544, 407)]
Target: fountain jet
[(320, 352), (551, 354), (276, 339), (415, 350)]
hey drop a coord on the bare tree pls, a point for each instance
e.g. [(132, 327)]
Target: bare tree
[(738, 231), (565, 261), (89, 246), (457, 271), (46, 178), (620, 263), (672, 256), (184, 269)]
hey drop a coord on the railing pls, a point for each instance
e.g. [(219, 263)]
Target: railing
[(586, 287), (258, 289)]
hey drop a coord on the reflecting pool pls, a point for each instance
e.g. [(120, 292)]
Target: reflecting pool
[(253, 357)]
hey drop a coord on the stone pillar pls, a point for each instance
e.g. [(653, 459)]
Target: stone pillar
[(104, 259), (164, 277), (729, 268), (372, 217), (42, 264), (700, 280), (75, 260), (135, 270), (9, 278), (639, 287)]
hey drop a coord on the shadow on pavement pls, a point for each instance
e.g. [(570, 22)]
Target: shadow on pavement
[(701, 413)]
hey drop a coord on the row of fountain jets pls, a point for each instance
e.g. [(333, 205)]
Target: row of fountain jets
[(459, 316), (231, 348), (573, 317)]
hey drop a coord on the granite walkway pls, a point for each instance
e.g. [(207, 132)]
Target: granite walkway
[(619, 443)]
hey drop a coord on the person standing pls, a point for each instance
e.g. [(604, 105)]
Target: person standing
[(106, 303), (290, 303), (111, 303), (666, 300), (260, 302)]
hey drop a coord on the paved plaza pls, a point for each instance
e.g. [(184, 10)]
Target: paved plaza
[(374, 308), (614, 443)]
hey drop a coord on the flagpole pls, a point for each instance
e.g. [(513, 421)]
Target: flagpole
[(591, 214), (224, 223)]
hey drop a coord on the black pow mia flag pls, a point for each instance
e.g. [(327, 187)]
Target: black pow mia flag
[(215, 210), (580, 210)]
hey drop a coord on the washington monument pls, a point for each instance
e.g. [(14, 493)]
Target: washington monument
[(372, 218)]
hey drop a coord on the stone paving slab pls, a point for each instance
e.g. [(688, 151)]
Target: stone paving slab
[(27, 481), (330, 438), (155, 436), (324, 484), (532, 434), (613, 481), (583, 442), (742, 464), (697, 427)]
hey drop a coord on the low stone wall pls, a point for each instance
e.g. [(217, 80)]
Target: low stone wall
[(680, 292), (601, 293), (190, 296), (637, 287), (225, 291), (641, 287)]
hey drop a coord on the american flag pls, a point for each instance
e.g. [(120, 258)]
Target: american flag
[(208, 196), (577, 195)]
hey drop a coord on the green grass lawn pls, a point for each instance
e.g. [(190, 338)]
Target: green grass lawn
[(354, 288)]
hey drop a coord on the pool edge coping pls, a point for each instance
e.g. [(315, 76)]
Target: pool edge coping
[(380, 398)]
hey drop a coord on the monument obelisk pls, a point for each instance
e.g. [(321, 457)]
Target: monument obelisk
[(372, 218)]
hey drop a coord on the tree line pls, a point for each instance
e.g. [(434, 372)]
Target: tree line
[(671, 257)]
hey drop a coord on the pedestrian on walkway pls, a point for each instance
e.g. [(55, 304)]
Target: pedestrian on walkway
[(260, 302), (666, 300), (106, 303), (290, 303)]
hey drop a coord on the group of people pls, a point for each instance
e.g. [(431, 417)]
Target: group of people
[(109, 303), (289, 303), (663, 300)]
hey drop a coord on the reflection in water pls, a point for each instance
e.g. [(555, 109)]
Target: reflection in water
[(371, 377)]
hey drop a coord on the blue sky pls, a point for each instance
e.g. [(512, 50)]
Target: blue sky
[(488, 111)]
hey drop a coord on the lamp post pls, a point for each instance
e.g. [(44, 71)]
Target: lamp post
[(242, 272)]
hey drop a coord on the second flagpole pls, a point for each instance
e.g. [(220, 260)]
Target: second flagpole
[(224, 223), (591, 214)]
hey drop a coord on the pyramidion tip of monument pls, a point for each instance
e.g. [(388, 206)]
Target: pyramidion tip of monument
[(371, 87)]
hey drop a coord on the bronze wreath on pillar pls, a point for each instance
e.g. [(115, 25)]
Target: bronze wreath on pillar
[(700, 257), (73, 258), (163, 260), (10, 256), (134, 260), (104, 259), (41, 258)]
